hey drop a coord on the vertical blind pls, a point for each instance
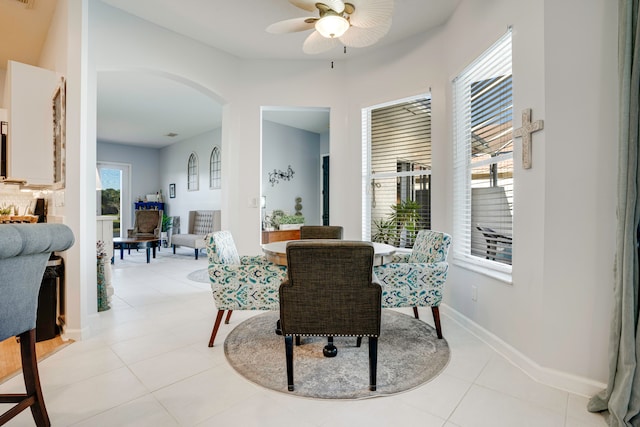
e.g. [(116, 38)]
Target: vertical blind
[(397, 169), (483, 158)]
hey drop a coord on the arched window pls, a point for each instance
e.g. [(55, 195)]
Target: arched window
[(192, 173), (214, 168)]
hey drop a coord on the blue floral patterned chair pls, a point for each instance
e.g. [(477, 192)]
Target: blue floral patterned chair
[(240, 282), (416, 279)]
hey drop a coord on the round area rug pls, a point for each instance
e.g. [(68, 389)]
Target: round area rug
[(409, 354), (199, 276)]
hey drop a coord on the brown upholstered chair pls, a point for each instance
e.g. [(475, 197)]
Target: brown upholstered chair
[(320, 232), (330, 292), (147, 225)]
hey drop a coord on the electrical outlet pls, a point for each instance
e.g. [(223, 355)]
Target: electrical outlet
[(474, 293)]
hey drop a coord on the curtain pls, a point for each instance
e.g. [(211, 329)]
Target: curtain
[(622, 395)]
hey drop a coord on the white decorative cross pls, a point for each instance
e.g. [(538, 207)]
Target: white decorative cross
[(525, 132)]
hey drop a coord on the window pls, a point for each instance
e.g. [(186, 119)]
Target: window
[(483, 160), (214, 168), (397, 167), (192, 173)]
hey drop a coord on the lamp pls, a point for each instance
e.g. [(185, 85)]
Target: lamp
[(332, 26)]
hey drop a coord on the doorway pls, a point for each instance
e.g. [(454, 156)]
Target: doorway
[(295, 142), (325, 190), (114, 197)]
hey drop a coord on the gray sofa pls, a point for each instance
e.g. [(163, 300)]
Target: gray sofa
[(201, 223)]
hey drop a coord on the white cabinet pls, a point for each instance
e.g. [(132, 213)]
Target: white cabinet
[(28, 99)]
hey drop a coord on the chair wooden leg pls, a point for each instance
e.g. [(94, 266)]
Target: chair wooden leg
[(288, 350), (32, 378), (415, 313), (436, 320), (216, 325), (33, 398), (226, 320), (373, 362)]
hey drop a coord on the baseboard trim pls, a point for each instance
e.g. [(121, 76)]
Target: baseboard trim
[(551, 377), (83, 333)]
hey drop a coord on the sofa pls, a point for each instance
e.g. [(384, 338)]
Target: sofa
[(201, 223)]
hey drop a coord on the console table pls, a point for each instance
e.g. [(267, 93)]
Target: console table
[(279, 236)]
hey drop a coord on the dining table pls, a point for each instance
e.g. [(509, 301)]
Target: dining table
[(276, 252)]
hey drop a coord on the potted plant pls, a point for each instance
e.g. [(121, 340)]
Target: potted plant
[(405, 215), (400, 227), (291, 222), (167, 224), (275, 218), (386, 231)]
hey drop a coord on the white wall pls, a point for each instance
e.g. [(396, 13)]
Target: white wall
[(553, 319), (283, 146), (173, 169)]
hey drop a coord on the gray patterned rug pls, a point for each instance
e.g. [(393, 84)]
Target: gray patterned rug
[(409, 354), (199, 276)]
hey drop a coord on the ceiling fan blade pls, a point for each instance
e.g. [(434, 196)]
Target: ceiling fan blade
[(309, 5), (292, 25), (336, 5), (370, 13), (362, 37), (315, 43)]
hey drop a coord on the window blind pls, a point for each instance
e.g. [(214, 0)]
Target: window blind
[(397, 170), (483, 159)]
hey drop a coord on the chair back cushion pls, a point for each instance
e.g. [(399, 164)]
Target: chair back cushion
[(24, 251), (204, 222), (320, 232), (147, 221), (430, 246), (329, 291), (221, 249)]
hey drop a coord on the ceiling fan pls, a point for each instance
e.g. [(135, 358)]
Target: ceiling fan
[(354, 23)]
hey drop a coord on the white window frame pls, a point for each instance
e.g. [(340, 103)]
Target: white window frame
[(367, 174), (215, 169), (193, 174), (462, 167)]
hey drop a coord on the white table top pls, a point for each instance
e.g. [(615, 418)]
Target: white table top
[(280, 248)]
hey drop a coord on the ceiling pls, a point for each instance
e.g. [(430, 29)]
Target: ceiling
[(139, 109)]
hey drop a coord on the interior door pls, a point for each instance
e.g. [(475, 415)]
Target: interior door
[(325, 190)]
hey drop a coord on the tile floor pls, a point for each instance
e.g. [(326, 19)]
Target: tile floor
[(148, 364)]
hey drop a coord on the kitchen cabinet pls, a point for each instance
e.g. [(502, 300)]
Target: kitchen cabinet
[(28, 99)]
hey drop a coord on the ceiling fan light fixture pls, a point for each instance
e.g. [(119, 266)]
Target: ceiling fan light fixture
[(332, 26)]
